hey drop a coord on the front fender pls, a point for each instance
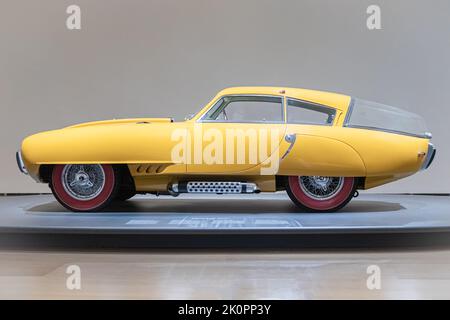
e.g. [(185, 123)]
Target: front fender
[(112, 144)]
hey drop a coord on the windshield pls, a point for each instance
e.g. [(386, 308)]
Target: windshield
[(377, 116)]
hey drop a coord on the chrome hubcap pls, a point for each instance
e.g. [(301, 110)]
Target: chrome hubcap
[(319, 187), (83, 182)]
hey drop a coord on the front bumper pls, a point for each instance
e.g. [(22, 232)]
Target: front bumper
[(430, 156), (20, 163)]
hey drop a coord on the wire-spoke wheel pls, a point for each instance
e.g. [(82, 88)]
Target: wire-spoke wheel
[(320, 193), (84, 187)]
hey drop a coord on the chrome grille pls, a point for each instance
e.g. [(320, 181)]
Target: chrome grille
[(214, 187)]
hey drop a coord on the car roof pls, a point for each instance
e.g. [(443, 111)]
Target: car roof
[(335, 100)]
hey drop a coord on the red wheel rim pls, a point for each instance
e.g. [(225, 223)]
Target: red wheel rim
[(83, 205), (328, 204)]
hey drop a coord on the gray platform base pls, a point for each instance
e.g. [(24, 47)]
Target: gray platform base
[(264, 220)]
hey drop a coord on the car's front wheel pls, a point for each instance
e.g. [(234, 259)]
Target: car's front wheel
[(319, 193), (84, 187)]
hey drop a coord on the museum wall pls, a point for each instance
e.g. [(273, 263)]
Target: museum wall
[(168, 58)]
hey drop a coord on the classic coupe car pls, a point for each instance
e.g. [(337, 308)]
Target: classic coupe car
[(320, 147)]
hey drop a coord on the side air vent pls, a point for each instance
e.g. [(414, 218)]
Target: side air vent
[(150, 168)]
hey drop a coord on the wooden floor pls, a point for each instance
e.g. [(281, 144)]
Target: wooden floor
[(225, 274)]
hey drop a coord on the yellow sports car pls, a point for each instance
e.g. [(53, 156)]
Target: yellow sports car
[(320, 147)]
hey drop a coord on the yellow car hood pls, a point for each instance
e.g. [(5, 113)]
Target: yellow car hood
[(138, 140), (121, 121)]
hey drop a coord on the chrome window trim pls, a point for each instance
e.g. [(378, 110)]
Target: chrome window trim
[(311, 124), (283, 116), (312, 104), (249, 122), (423, 136), (349, 111)]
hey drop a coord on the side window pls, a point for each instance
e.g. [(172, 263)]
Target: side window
[(309, 113), (246, 109)]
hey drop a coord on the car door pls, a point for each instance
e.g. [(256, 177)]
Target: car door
[(238, 133)]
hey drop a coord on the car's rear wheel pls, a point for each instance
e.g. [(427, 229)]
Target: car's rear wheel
[(81, 188), (319, 193)]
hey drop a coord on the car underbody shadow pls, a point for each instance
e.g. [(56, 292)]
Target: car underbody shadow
[(215, 206)]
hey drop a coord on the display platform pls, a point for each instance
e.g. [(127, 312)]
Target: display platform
[(257, 220)]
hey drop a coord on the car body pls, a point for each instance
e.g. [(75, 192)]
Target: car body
[(319, 146)]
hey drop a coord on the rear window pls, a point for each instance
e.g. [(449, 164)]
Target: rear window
[(372, 115)]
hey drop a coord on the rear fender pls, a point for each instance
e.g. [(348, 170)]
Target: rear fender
[(324, 156)]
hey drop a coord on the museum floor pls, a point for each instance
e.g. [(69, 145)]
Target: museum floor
[(208, 247), (333, 274)]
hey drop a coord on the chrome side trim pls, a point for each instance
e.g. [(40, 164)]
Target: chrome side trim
[(430, 156), (423, 136), (290, 138), (20, 163)]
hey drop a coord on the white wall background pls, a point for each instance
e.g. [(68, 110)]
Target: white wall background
[(168, 58)]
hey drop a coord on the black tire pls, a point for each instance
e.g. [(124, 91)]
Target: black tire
[(124, 195), (127, 187)]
